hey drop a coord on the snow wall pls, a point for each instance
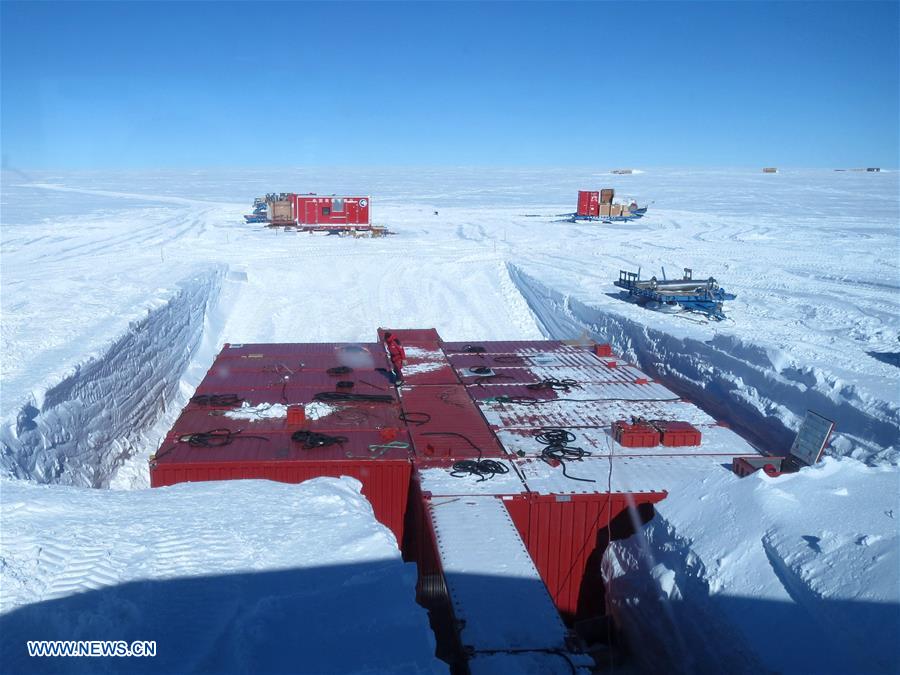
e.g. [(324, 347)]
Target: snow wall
[(732, 379), (82, 430)]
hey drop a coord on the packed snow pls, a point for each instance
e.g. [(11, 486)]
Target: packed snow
[(240, 576), (119, 288), (738, 567)]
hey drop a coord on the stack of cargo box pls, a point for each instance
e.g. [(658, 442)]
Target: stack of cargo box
[(535, 518), (254, 444)]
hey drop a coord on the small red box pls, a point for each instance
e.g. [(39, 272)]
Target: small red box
[(637, 435), (604, 349), (678, 434), (771, 466), (296, 415)]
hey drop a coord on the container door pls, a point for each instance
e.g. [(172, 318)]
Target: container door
[(338, 210), (363, 217), (582, 203)]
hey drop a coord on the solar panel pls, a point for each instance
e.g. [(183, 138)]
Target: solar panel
[(811, 438)]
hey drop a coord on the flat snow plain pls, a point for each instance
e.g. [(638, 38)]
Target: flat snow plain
[(119, 288)]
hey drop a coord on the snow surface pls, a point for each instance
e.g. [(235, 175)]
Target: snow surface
[(240, 576), (119, 288), (797, 573)]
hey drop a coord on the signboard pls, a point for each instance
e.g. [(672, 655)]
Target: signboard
[(811, 438)]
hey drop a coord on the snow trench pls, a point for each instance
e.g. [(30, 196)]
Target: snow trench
[(88, 425), (733, 380)]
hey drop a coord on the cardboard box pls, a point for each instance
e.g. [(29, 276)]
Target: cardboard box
[(281, 212), (606, 195), (615, 210), (604, 210)]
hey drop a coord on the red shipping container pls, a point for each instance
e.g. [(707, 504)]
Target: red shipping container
[(637, 435), (454, 425), (565, 532), (384, 478), (588, 203), (678, 434), (331, 211)]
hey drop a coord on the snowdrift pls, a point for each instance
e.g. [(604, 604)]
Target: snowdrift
[(790, 574), (242, 576)]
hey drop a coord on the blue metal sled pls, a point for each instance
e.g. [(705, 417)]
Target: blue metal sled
[(700, 295), (633, 215)]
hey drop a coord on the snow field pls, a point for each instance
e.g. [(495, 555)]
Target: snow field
[(109, 281), (242, 576)]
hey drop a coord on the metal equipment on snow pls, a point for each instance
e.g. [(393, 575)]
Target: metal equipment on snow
[(696, 295)]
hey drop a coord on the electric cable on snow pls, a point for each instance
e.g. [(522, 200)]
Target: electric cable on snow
[(552, 383), (509, 359), (556, 449), (483, 468), (529, 400)]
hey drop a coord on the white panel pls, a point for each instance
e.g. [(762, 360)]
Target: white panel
[(493, 584), (441, 482), (811, 438)]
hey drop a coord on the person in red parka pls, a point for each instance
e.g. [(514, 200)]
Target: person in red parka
[(397, 354)]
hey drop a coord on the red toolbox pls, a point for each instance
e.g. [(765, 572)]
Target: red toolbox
[(635, 435), (678, 434)]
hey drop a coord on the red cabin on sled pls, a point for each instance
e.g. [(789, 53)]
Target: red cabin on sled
[(331, 211)]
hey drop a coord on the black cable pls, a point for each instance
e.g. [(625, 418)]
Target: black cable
[(217, 400), (483, 468), (215, 438), (472, 349), (522, 400), (374, 386), (480, 370), (557, 449), (312, 439), (339, 370), (552, 383), (417, 418), (496, 376), (446, 396), (340, 396), (528, 400)]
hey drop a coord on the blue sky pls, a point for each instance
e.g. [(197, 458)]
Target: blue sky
[(233, 84)]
